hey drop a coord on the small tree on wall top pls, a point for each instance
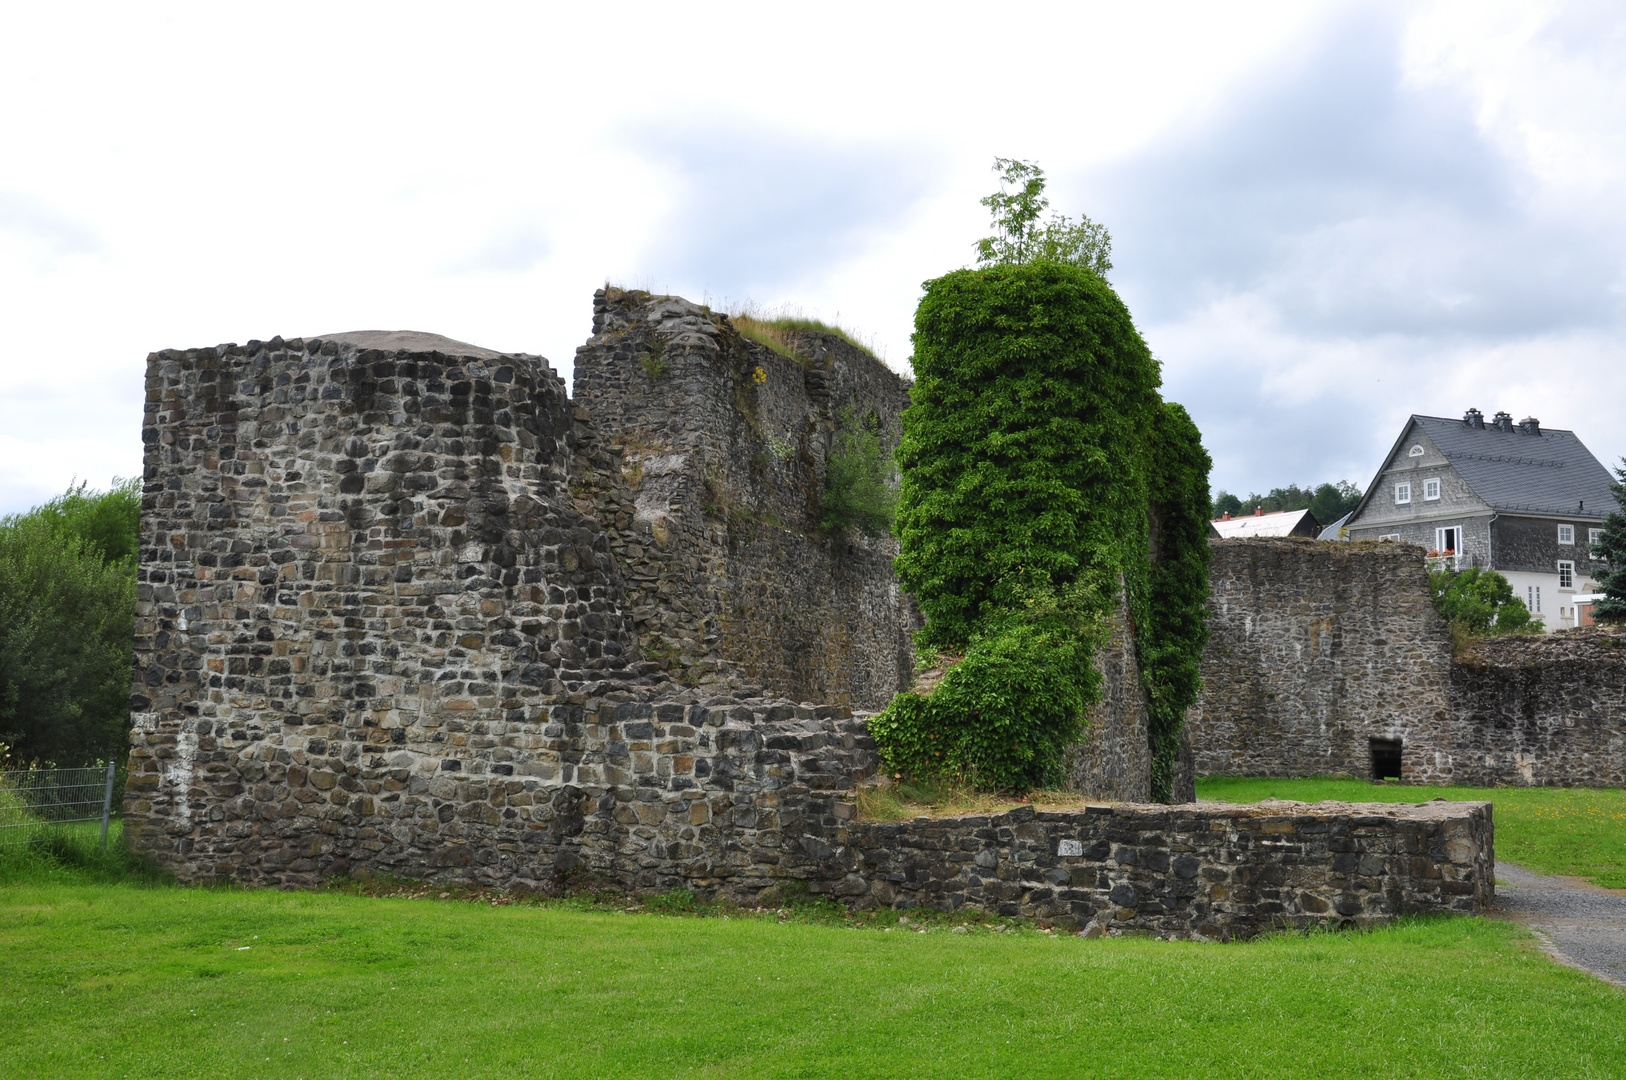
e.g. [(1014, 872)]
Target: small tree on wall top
[(1611, 547), (1022, 238)]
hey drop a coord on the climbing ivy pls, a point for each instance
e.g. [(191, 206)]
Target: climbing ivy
[(1171, 641), (1022, 513)]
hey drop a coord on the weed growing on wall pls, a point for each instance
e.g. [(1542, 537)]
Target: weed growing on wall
[(858, 491), (654, 361)]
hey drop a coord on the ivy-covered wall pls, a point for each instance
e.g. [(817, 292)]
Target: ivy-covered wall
[(1025, 515)]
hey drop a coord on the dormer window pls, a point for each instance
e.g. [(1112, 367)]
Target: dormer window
[(1402, 494), (1431, 490), (1566, 534)]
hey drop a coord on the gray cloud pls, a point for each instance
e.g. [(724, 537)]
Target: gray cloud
[(759, 209), (1367, 226)]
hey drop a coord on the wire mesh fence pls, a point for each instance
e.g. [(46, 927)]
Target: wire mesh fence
[(34, 800)]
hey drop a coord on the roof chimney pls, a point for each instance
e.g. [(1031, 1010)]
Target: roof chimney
[(1503, 422), (1530, 426), (1225, 516), (1259, 511), (1474, 418)]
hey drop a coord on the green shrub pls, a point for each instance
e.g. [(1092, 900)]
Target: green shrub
[(1004, 716), (858, 492), (67, 608), (1479, 601)]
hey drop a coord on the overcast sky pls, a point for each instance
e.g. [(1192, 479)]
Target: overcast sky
[(1325, 217)]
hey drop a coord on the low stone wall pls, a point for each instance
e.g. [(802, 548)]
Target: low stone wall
[(1205, 870)]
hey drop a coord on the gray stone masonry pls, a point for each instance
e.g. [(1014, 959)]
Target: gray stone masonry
[(1315, 648), (1534, 711), (1318, 648), (1207, 870), (720, 446), (415, 612)]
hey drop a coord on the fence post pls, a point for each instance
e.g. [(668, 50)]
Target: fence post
[(107, 804)]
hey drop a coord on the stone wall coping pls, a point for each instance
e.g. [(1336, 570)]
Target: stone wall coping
[(1439, 809)]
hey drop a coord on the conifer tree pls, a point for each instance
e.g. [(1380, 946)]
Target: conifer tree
[(1611, 547)]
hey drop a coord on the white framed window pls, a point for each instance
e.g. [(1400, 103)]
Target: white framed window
[(1416, 451), (1594, 536), (1402, 494), (1566, 534), (1431, 490), (1532, 598), (1448, 540), (1566, 575), (1393, 538)]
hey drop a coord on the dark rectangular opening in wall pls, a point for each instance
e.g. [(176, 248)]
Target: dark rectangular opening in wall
[(1386, 758)]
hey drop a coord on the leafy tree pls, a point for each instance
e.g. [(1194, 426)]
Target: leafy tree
[(1333, 501), (1611, 546), (67, 607), (1328, 502), (1022, 238), (858, 494), (108, 522), (1479, 601)]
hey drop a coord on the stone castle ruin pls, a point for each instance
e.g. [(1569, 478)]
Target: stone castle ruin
[(407, 607)]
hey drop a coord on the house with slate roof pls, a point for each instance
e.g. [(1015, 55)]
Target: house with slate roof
[(1519, 499)]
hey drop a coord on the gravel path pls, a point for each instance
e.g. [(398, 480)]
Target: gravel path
[(1585, 926)]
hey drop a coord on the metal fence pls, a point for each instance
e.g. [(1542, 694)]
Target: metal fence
[(35, 799)]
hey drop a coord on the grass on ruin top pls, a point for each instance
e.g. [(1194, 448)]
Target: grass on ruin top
[(906, 799), (113, 981), (779, 334), (1575, 831)]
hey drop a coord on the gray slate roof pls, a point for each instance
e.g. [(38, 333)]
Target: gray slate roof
[(1550, 473)]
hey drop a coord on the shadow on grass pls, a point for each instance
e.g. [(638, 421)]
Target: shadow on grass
[(73, 854)]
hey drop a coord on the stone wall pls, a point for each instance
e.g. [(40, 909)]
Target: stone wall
[(1206, 870), (389, 621), (1318, 648), (1534, 711), (1314, 649), (1115, 759), (720, 446)]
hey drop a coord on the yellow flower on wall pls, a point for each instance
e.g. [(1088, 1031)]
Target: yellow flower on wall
[(759, 375)]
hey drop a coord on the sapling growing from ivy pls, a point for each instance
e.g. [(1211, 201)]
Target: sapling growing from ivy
[(1022, 238)]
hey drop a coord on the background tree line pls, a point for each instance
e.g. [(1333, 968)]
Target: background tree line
[(1328, 502), (67, 612)]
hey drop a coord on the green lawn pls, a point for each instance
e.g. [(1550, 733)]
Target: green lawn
[(129, 981), (1579, 831)]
